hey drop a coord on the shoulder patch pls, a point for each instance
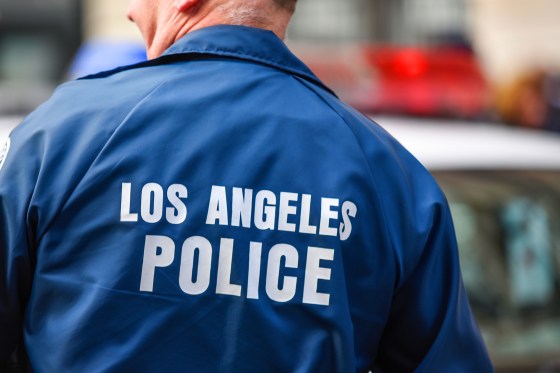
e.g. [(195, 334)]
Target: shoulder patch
[(4, 152)]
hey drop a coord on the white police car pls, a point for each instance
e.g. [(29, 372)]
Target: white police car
[(503, 186)]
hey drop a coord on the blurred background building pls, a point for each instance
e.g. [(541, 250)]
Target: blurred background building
[(511, 42), (382, 21), (37, 39)]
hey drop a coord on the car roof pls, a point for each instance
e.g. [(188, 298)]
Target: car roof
[(456, 145)]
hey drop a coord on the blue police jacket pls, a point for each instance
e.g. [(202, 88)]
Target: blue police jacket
[(218, 209)]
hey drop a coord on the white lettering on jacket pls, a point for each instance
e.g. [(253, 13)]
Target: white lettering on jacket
[(289, 273), (159, 253)]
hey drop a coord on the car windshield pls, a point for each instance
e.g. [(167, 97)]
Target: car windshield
[(508, 230)]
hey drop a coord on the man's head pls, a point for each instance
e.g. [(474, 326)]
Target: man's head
[(162, 22)]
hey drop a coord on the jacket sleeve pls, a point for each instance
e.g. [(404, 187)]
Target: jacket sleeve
[(430, 327), (18, 169)]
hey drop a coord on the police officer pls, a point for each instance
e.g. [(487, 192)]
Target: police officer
[(218, 209)]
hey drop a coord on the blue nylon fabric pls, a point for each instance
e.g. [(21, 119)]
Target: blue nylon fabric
[(226, 107)]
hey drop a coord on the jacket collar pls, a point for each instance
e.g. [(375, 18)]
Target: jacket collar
[(240, 42)]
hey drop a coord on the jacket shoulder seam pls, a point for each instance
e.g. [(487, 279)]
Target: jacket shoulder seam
[(368, 166)]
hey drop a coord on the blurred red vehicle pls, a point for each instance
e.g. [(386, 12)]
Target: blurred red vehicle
[(431, 81)]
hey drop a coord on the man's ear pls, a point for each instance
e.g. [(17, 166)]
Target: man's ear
[(185, 5)]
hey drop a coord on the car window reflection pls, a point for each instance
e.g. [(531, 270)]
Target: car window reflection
[(508, 230)]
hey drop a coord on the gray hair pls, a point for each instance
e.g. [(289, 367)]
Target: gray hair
[(289, 5), (246, 12)]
